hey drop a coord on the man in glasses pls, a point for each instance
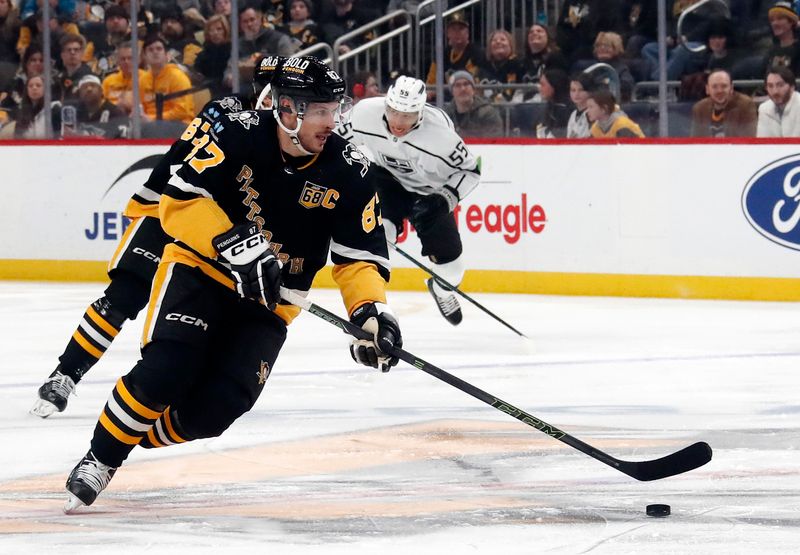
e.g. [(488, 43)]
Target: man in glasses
[(72, 50)]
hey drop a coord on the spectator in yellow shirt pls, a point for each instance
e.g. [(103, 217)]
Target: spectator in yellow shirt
[(118, 87), (162, 77)]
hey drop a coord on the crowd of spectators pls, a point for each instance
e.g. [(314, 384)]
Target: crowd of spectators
[(568, 69), (184, 46)]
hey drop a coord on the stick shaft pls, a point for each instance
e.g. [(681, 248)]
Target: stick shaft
[(687, 459), (453, 288)]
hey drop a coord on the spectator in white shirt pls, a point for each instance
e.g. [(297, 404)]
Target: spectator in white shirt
[(780, 115)]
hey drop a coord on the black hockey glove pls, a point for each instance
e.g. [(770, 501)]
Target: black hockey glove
[(255, 268), (426, 210), (377, 319)]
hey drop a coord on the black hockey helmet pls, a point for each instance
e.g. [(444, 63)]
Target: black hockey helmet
[(308, 79), (265, 70), (304, 80), (262, 77)]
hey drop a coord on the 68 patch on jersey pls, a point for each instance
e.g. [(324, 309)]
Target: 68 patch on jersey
[(314, 195)]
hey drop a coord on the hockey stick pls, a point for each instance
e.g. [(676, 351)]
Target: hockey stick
[(453, 288), (686, 459)]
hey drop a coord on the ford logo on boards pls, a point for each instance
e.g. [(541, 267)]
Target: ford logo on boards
[(771, 201)]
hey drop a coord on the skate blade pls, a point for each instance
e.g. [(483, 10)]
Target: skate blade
[(43, 408), (72, 503)]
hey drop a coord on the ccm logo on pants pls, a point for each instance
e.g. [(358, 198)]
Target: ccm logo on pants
[(147, 254), (184, 319)]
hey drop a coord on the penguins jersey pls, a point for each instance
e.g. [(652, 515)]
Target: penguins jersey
[(145, 201), (236, 173), (428, 158)]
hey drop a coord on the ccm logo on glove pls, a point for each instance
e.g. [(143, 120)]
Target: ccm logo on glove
[(255, 269)]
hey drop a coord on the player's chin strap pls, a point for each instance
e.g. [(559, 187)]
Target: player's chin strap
[(292, 133)]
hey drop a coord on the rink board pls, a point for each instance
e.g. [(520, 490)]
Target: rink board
[(655, 219)]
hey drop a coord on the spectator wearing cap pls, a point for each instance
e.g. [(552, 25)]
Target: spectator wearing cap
[(103, 38), (472, 114), (725, 112), (609, 120), (501, 66), (72, 49), (96, 116), (300, 25), (163, 77), (786, 49), (182, 47), (118, 87), (578, 125), (722, 53), (461, 53), (780, 115), (213, 60)]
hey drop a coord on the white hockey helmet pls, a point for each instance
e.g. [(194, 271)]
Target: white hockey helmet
[(407, 95)]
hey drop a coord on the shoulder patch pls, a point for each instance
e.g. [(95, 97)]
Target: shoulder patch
[(352, 156), (246, 118), (230, 103)]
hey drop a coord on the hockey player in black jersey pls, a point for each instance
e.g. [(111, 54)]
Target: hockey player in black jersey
[(134, 263), (259, 203)]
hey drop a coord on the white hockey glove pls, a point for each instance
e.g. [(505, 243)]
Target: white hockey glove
[(377, 319), (255, 268)]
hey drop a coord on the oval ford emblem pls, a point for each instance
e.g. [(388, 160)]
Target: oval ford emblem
[(771, 201)]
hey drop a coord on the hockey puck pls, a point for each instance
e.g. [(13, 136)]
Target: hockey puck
[(658, 509)]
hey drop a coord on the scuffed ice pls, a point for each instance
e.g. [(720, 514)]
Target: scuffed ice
[(339, 459)]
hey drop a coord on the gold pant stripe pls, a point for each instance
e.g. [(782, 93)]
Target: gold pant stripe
[(159, 289), (151, 436), (97, 319), (170, 430), (124, 242), (112, 429), (140, 409), (88, 347)]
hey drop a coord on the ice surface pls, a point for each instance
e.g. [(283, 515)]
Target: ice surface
[(339, 459)]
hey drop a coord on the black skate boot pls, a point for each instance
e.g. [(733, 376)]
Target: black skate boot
[(53, 394), (446, 301), (86, 481)]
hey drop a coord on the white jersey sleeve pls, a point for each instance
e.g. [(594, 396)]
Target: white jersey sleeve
[(431, 158)]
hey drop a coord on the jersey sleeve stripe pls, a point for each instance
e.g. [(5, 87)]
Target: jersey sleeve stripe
[(357, 254), (177, 181), (412, 145)]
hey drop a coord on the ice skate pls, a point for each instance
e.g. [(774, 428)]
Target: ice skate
[(53, 394), (86, 481), (446, 301)]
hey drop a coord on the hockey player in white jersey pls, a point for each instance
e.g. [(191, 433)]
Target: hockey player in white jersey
[(424, 170)]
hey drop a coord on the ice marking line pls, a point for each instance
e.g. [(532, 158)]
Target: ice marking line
[(604, 540)]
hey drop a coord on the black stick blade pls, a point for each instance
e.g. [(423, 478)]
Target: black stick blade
[(688, 458)]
